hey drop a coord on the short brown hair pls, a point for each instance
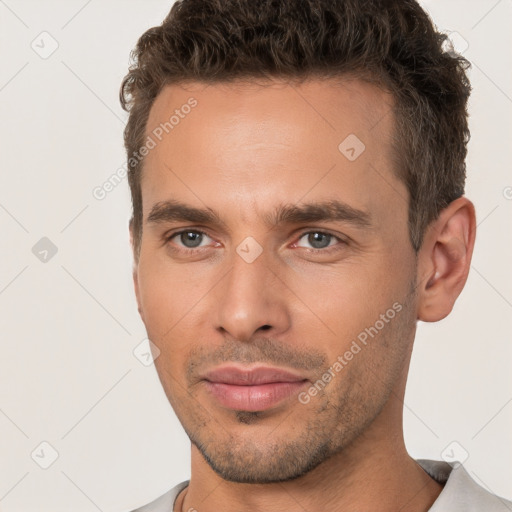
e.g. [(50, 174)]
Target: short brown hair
[(389, 42)]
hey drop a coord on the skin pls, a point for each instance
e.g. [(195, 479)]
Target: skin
[(243, 151)]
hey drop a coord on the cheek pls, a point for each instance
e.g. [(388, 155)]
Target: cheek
[(371, 355), (167, 291), (162, 310), (365, 320), (348, 298), (172, 299)]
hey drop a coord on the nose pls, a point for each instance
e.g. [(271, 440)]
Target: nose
[(250, 298)]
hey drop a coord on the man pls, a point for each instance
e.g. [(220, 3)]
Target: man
[(297, 176)]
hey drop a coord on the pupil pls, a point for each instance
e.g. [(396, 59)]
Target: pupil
[(190, 236), (314, 240)]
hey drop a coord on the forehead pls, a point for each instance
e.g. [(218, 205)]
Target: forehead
[(253, 142), (337, 105)]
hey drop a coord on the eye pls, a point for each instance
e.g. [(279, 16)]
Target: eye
[(189, 238), (319, 239)]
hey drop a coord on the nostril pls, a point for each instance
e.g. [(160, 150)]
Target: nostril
[(265, 327)]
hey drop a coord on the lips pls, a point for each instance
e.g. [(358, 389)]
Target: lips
[(254, 389), (251, 377)]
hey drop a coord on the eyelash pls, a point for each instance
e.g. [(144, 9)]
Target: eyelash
[(326, 250)]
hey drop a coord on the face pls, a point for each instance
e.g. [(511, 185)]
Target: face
[(275, 235)]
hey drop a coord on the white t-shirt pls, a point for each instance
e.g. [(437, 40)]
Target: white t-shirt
[(460, 493)]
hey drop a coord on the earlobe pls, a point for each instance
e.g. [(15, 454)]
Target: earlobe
[(445, 259)]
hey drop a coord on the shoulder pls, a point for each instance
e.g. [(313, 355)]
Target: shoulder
[(461, 493), (164, 503)]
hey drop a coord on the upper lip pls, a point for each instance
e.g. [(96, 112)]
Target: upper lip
[(251, 377)]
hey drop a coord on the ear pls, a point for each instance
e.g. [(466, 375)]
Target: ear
[(135, 270), (444, 259)]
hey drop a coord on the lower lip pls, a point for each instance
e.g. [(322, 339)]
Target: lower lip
[(253, 398)]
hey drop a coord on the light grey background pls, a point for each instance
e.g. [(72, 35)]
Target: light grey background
[(69, 326)]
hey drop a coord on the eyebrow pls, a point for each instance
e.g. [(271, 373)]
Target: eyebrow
[(332, 210)]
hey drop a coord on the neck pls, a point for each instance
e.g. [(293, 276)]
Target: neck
[(374, 473)]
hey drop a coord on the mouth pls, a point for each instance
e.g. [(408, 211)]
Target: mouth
[(255, 389)]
